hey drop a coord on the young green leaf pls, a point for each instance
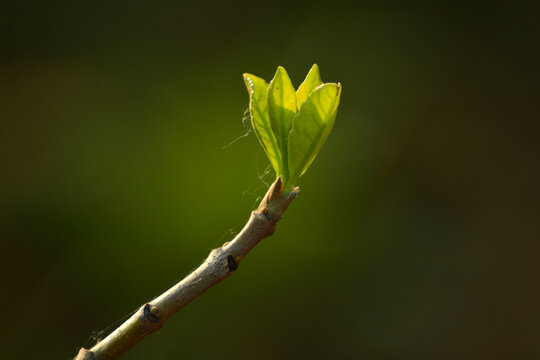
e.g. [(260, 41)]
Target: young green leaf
[(281, 108), (258, 109), (311, 127), (313, 79)]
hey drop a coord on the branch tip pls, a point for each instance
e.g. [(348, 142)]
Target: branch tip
[(275, 190), (275, 202)]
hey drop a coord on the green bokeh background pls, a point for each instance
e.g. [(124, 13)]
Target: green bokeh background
[(415, 235)]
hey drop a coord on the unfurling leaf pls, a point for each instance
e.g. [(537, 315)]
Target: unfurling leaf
[(258, 110), (311, 127), (292, 126), (282, 108)]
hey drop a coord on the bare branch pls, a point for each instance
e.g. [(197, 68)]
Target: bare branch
[(220, 263)]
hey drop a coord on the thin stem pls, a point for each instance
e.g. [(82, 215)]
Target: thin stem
[(220, 263)]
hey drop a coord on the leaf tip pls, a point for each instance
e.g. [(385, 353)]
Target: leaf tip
[(248, 81), (281, 72)]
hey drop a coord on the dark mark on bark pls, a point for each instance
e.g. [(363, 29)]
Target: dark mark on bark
[(232, 264), (148, 314)]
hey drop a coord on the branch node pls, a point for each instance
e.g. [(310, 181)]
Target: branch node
[(85, 355), (147, 312)]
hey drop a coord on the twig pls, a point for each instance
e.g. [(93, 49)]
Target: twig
[(220, 263)]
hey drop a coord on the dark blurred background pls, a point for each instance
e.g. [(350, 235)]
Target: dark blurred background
[(416, 233)]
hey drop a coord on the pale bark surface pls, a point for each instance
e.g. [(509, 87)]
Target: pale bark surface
[(221, 262)]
